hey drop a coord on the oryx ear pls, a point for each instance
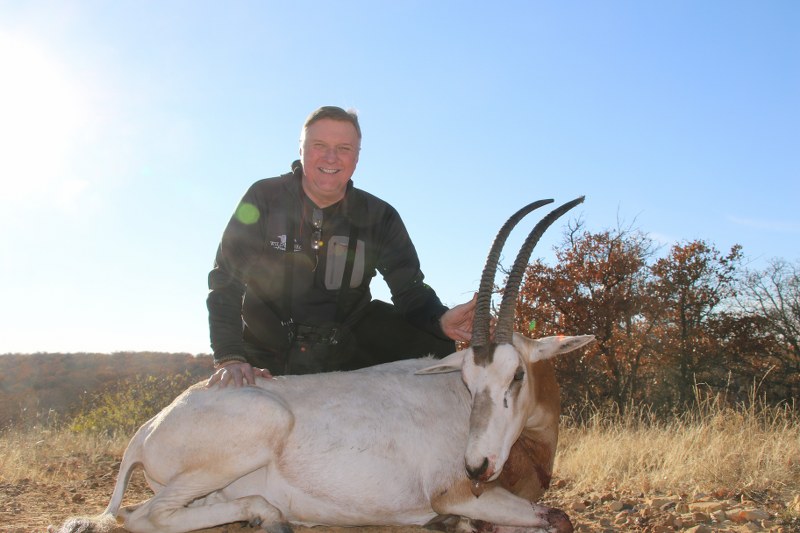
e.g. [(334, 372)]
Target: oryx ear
[(547, 347), (451, 363)]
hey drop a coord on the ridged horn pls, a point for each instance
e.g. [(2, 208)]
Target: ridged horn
[(505, 321), (481, 318)]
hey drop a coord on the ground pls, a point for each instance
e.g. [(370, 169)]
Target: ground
[(28, 506)]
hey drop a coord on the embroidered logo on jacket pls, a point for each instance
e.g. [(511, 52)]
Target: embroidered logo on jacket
[(280, 244)]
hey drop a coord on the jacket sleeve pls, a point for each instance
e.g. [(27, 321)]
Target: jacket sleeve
[(238, 250), (398, 263)]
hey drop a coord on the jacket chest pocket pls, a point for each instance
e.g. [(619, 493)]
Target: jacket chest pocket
[(337, 260)]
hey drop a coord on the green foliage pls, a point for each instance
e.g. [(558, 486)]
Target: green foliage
[(127, 404)]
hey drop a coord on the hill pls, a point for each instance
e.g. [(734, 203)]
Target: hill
[(39, 385)]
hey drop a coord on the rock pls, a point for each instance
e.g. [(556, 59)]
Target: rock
[(658, 503), (749, 515), (719, 516), (578, 507), (699, 529), (616, 506), (707, 506)]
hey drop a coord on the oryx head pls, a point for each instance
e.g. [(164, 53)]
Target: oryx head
[(497, 371)]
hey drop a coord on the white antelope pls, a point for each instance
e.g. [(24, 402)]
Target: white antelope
[(404, 443)]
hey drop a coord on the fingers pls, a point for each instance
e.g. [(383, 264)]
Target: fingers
[(221, 376), (263, 372), (461, 335), (215, 377), (239, 373), (244, 376)]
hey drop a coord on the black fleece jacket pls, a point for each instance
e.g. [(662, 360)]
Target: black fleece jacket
[(247, 286)]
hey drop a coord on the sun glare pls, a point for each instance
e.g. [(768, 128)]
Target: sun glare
[(42, 114)]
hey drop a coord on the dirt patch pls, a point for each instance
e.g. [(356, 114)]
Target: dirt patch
[(28, 506)]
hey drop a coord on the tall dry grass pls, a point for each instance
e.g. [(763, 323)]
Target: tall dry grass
[(53, 454), (44, 447), (711, 447)]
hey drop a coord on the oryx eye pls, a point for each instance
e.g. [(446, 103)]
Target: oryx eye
[(519, 375)]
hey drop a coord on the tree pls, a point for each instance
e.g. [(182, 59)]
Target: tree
[(595, 288), (773, 295), (690, 284)]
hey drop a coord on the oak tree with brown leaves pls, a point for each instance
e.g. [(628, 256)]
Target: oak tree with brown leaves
[(691, 285), (597, 287)]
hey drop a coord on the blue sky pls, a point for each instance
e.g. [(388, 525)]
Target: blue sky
[(129, 130)]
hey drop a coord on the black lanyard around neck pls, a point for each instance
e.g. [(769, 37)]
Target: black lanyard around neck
[(352, 244), (347, 274)]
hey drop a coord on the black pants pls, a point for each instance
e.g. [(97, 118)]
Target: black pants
[(381, 336)]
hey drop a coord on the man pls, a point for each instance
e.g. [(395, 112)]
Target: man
[(289, 292)]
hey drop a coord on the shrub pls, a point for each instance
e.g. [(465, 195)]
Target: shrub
[(127, 404)]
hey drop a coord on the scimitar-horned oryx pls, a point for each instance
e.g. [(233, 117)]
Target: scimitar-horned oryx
[(412, 442)]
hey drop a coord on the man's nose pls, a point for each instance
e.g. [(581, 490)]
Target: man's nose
[(331, 154)]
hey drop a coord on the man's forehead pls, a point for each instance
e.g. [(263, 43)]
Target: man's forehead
[(327, 129)]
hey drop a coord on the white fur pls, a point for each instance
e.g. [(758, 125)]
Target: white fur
[(379, 446)]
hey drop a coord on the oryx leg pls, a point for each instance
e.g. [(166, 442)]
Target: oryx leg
[(499, 511), (167, 511), (187, 458)]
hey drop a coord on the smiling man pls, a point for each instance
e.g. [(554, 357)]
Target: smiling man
[(329, 152), (289, 291)]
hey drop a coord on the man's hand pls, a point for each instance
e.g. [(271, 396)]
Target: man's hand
[(457, 322), (239, 373)]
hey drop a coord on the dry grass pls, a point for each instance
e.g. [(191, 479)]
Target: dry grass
[(50, 455), (712, 448), (737, 448)]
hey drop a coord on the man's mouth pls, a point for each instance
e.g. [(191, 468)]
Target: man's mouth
[(328, 170)]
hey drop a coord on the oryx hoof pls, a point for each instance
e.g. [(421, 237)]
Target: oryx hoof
[(279, 527), (444, 522), (559, 521)]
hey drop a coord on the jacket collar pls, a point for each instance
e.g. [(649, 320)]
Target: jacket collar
[(297, 172)]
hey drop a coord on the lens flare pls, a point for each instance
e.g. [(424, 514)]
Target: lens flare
[(247, 213)]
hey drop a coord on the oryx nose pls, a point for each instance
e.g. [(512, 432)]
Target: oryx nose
[(478, 473)]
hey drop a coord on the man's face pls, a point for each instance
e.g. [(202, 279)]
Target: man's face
[(329, 154)]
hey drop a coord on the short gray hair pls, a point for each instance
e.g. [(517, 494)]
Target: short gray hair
[(333, 113)]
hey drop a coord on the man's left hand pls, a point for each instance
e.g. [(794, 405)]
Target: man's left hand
[(457, 322)]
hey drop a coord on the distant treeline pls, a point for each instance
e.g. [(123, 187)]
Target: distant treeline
[(50, 385), (670, 325), (668, 328)]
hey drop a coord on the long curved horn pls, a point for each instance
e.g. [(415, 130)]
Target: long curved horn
[(481, 318), (505, 321)]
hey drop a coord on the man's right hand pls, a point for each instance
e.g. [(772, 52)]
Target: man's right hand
[(239, 373)]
